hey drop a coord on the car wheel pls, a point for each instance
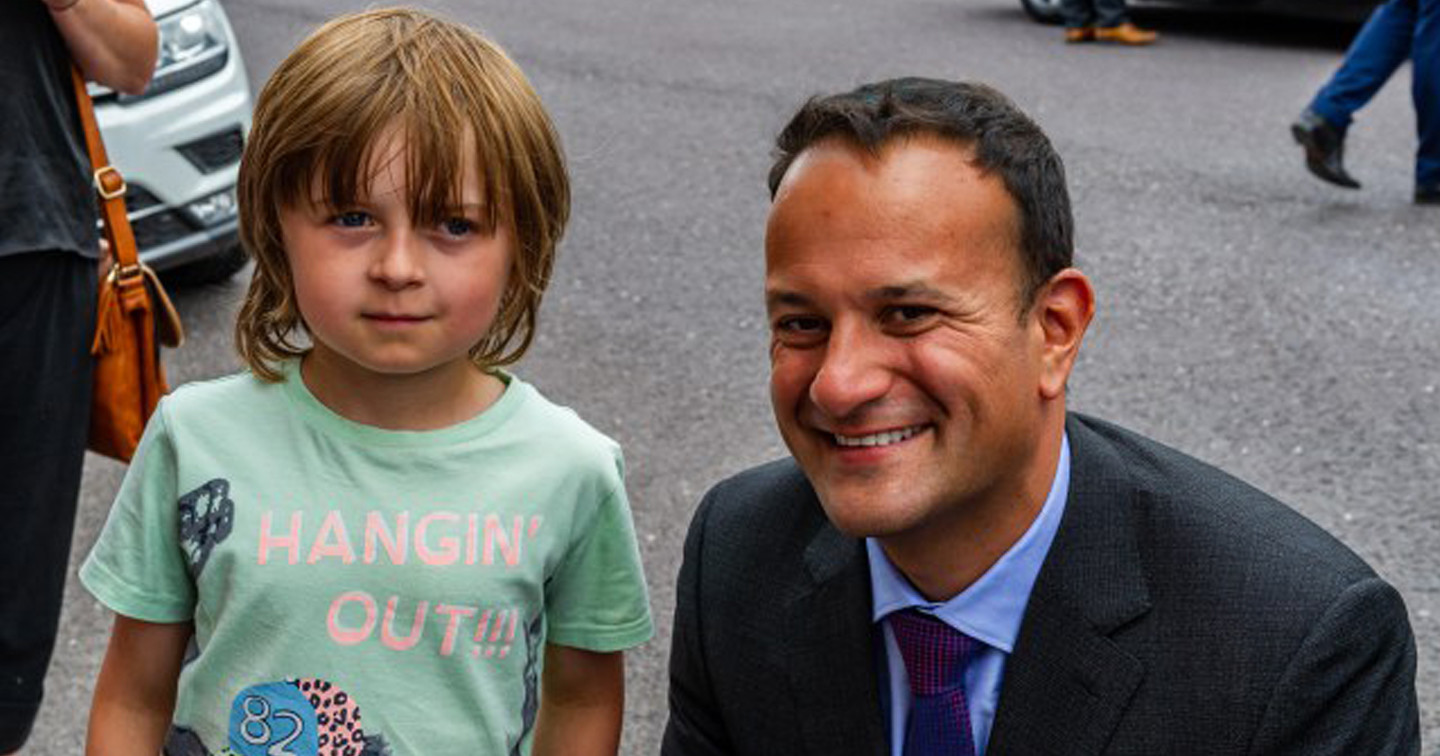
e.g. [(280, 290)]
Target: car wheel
[(208, 270), (1044, 11)]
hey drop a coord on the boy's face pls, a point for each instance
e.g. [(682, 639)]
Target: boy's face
[(383, 296)]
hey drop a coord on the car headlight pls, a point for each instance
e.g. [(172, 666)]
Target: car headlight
[(192, 46)]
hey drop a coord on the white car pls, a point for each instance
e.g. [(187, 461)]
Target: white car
[(178, 144)]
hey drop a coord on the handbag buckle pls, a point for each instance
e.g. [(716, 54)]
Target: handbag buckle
[(109, 183), (122, 273)]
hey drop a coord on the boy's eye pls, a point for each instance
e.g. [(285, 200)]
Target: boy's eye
[(458, 226), (351, 219)]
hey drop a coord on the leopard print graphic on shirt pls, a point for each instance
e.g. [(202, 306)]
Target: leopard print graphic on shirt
[(337, 717)]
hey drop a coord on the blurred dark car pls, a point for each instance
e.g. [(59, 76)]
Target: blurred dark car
[(1048, 11)]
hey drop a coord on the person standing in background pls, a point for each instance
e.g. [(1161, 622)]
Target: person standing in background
[(1397, 30), (1102, 21), (49, 250)]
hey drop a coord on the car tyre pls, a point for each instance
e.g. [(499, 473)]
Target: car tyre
[(1044, 11), (209, 270)]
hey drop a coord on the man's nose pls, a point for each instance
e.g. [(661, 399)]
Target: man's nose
[(854, 372), (398, 262)]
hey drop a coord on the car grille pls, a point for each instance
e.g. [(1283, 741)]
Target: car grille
[(151, 221), (162, 227), (214, 152), (137, 198)]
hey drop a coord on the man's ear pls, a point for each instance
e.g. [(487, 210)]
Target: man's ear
[(1062, 311)]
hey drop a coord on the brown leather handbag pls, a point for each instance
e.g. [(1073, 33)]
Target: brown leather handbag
[(134, 315)]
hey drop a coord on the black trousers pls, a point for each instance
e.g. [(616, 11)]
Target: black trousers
[(47, 318)]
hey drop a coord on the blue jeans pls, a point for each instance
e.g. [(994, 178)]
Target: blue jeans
[(1103, 13), (1397, 30)]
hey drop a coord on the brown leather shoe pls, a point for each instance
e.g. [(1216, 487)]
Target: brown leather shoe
[(1080, 34), (1126, 34)]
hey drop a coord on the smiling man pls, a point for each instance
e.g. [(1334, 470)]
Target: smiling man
[(952, 563)]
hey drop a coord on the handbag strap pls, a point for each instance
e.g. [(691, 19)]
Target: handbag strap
[(129, 274), (109, 186)]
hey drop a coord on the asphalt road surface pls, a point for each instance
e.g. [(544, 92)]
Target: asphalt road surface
[(1248, 314)]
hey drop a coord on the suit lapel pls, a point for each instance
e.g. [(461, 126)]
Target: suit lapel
[(1065, 687), (1067, 684), (831, 658)]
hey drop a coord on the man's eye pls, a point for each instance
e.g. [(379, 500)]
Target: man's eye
[(351, 219), (799, 324), (908, 314), (458, 226)]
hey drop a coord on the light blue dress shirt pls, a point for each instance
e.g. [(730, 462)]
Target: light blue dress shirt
[(989, 611)]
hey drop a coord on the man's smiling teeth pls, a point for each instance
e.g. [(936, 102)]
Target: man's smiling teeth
[(879, 439)]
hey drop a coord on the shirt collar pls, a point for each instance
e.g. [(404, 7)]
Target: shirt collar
[(990, 610)]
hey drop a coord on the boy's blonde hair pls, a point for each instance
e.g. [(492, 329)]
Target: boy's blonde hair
[(319, 119)]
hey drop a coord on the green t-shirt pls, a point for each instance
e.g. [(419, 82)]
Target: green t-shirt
[(362, 591)]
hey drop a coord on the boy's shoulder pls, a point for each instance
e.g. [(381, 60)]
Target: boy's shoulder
[(560, 427), (228, 396)]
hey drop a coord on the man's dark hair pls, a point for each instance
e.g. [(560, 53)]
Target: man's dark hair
[(1003, 139)]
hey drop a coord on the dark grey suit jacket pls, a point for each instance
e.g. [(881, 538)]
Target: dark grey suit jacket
[(1180, 611)]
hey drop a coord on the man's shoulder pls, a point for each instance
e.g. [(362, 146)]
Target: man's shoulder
[(777, 488), (1189, 514), (765, 483), (767, 507), (1175, 560)]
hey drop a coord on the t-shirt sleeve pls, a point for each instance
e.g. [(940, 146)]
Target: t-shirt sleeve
[(137, 568), (597, 600)]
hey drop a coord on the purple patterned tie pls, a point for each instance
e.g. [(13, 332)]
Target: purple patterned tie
[(935, 656)]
